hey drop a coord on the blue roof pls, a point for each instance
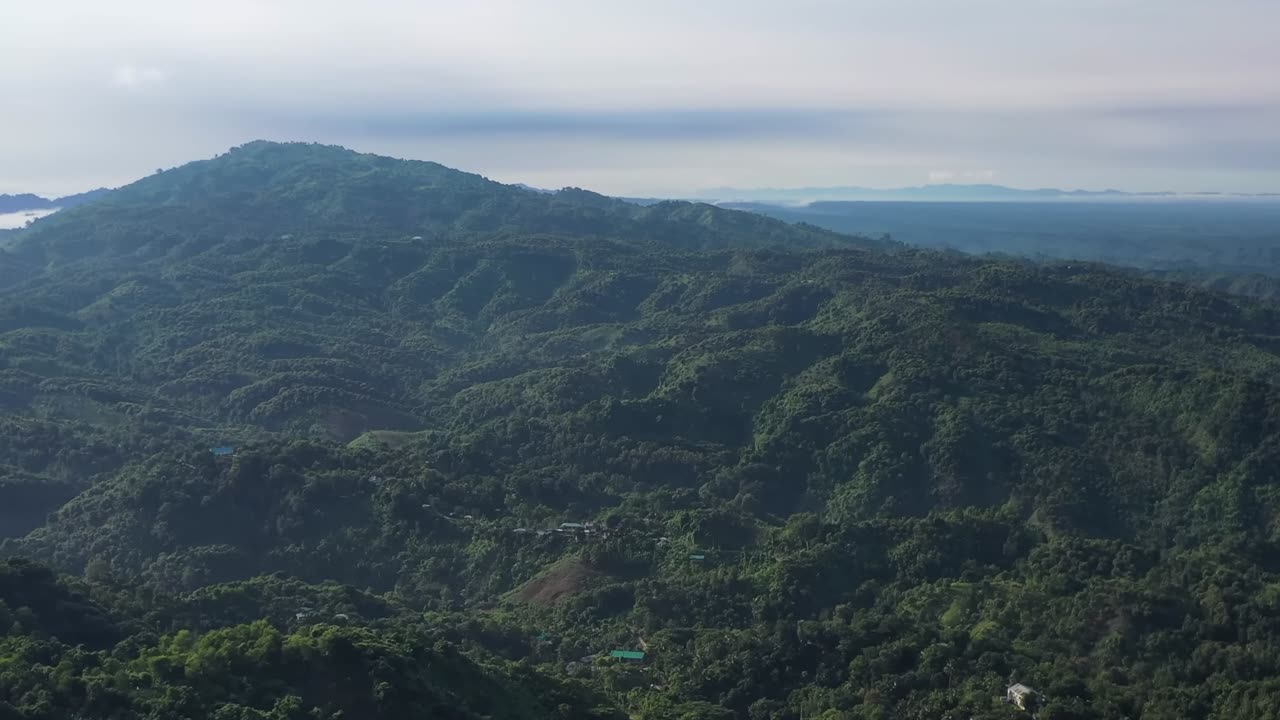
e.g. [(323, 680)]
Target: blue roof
[(223, 450)]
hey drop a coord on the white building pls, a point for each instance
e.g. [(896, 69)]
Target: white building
[(1020, 695)]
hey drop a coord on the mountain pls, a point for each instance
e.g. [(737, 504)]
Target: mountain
[(16, 211), (70, 201), (1214, 243), (272, 190), (473, 439), (946, 192), (27, 201)]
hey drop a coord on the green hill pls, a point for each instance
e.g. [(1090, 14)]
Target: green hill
[(256, 193), (61, 659), (825, 474)]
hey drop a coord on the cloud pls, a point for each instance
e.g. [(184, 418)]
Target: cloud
[(134, 77), (962, 176), (713, 125), (721, 92)]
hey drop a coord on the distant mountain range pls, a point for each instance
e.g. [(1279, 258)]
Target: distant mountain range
[(780, 196), (920, 193), (28, 201), (944, 193)]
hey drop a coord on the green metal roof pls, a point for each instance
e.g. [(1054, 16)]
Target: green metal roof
[(627, 654)]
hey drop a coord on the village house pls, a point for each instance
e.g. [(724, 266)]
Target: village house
[(1021, 696)]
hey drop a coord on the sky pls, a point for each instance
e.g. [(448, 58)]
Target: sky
[(657, 98)]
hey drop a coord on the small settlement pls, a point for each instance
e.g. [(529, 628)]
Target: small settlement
[(576, 530)]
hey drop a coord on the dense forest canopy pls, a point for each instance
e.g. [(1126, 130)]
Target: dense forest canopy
[(471, 439)]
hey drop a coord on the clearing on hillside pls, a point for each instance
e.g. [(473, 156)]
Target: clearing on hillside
[(559, 583)]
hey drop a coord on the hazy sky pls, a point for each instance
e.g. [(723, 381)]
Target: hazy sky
[(657, 97)]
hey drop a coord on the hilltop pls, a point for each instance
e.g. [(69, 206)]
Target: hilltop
[(269, 190), (28, 201), (25, 201)]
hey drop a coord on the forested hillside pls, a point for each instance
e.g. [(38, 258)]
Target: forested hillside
[(805, 474), (263, 190)]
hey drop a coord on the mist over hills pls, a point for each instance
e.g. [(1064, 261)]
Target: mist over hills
[(950, 192), (17, 211), (823, 473), (1232, 246)]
